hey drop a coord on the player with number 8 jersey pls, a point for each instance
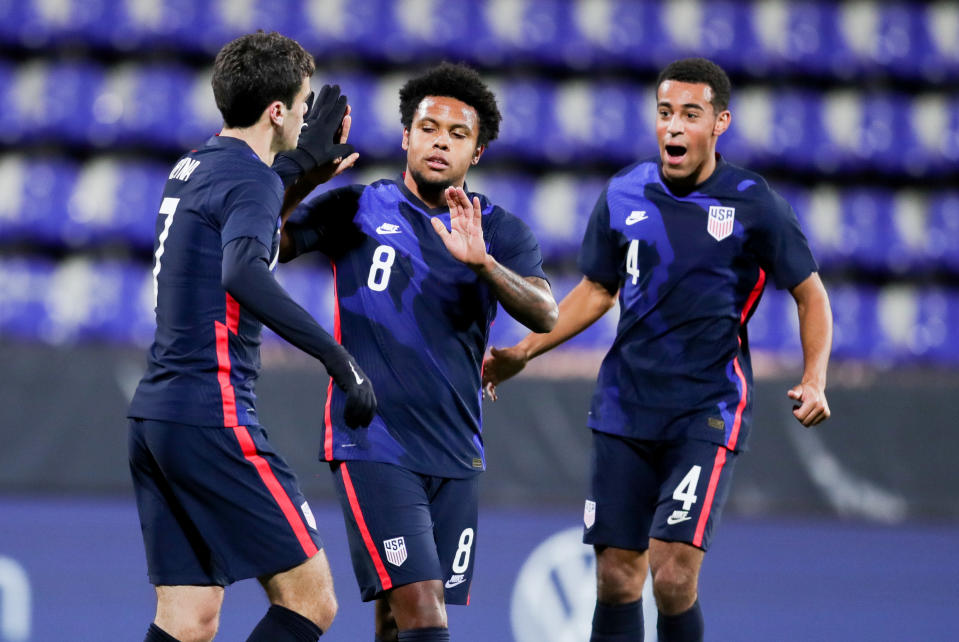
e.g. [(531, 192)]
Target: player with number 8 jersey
[(419, 267)]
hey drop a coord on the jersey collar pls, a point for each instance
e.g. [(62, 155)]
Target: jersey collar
[(720, 166), (229, 142)]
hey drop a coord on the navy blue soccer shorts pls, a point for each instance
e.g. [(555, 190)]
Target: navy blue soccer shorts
[(216, 505), (671, 490), (405, 527)]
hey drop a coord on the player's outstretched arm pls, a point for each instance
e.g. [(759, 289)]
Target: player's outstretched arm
[(247, 278), (815, 334), (578, 310), (528, 300)]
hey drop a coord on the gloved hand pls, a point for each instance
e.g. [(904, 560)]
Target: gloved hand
[(318, 143), (360, 398)]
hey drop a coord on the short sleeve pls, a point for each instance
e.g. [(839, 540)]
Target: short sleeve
[(515, 247), (250, 209), (325, 223), (782, 247), (599, 255)]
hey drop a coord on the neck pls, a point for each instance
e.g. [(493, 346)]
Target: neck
[(259, 139), (431, 197), (689, 183)]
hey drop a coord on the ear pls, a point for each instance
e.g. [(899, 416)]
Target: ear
[(406, 139), (476, 154), (275, 112), (722, 122)]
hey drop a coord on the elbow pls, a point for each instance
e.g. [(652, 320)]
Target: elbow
[(547, 322)]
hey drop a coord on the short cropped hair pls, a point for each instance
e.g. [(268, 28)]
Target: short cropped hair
[(700, 70), (254, 70), (454, 81)]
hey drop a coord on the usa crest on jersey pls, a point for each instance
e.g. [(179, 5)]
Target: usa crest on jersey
[(589, 513), (395, 550), (720, 222)]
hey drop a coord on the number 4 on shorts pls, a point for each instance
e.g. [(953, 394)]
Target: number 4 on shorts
[(686, 490)]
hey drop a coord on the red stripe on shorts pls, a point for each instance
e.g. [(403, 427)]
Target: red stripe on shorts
[(364, 531), (710, 494), (276, 490)]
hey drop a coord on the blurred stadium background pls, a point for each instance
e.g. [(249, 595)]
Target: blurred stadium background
[(849, 109)]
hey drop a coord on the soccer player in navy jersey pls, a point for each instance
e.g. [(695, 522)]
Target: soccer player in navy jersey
[(419, 265), (687, 242), (217, 504)]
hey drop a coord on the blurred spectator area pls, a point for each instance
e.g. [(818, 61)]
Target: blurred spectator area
[(850, 110)]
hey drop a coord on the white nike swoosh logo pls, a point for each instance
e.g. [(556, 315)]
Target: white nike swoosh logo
[(388, 228), (356, 375), (635, 217), (672, 520), (450, 583)]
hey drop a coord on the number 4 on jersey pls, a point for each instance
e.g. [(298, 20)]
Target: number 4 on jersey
[(632, 260)]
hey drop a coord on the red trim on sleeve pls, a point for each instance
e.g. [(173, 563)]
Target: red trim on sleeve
[(385, 580), (710, 494), (293, 516)]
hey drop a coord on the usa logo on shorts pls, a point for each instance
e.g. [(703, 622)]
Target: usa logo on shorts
[(720, 223), (395, 550), (589, 513)]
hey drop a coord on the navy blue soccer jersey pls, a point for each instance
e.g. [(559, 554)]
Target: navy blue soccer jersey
[(205, 355), (691, 270), (415, 318)]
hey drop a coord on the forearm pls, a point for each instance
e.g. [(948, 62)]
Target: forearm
[(247, 278), (815, 332), (288, 171), (583, 306), (532, 304)]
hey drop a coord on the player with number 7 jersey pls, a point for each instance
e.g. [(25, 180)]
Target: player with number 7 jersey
[(419, 266)]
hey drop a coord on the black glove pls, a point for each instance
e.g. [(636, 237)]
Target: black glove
[(318, 143), (360, 398)]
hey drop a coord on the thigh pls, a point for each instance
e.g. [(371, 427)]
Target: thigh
[(239, 497), (624, 487), (176, 551), (454, 507), (386, 509), (696, 478)]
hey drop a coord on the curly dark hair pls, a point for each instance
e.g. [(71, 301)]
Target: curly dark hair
[(700, 70), (455, 81), (252, 71)]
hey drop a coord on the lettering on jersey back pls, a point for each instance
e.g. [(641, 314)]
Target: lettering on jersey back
[(183, 169)]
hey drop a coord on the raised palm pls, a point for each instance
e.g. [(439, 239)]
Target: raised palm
[(464, 239)]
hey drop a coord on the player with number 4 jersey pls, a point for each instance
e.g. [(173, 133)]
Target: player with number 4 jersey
[(419, 266), (688, 242)]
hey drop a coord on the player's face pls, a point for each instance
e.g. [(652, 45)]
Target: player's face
[(441, 143), (687, 127), (293, 117)]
